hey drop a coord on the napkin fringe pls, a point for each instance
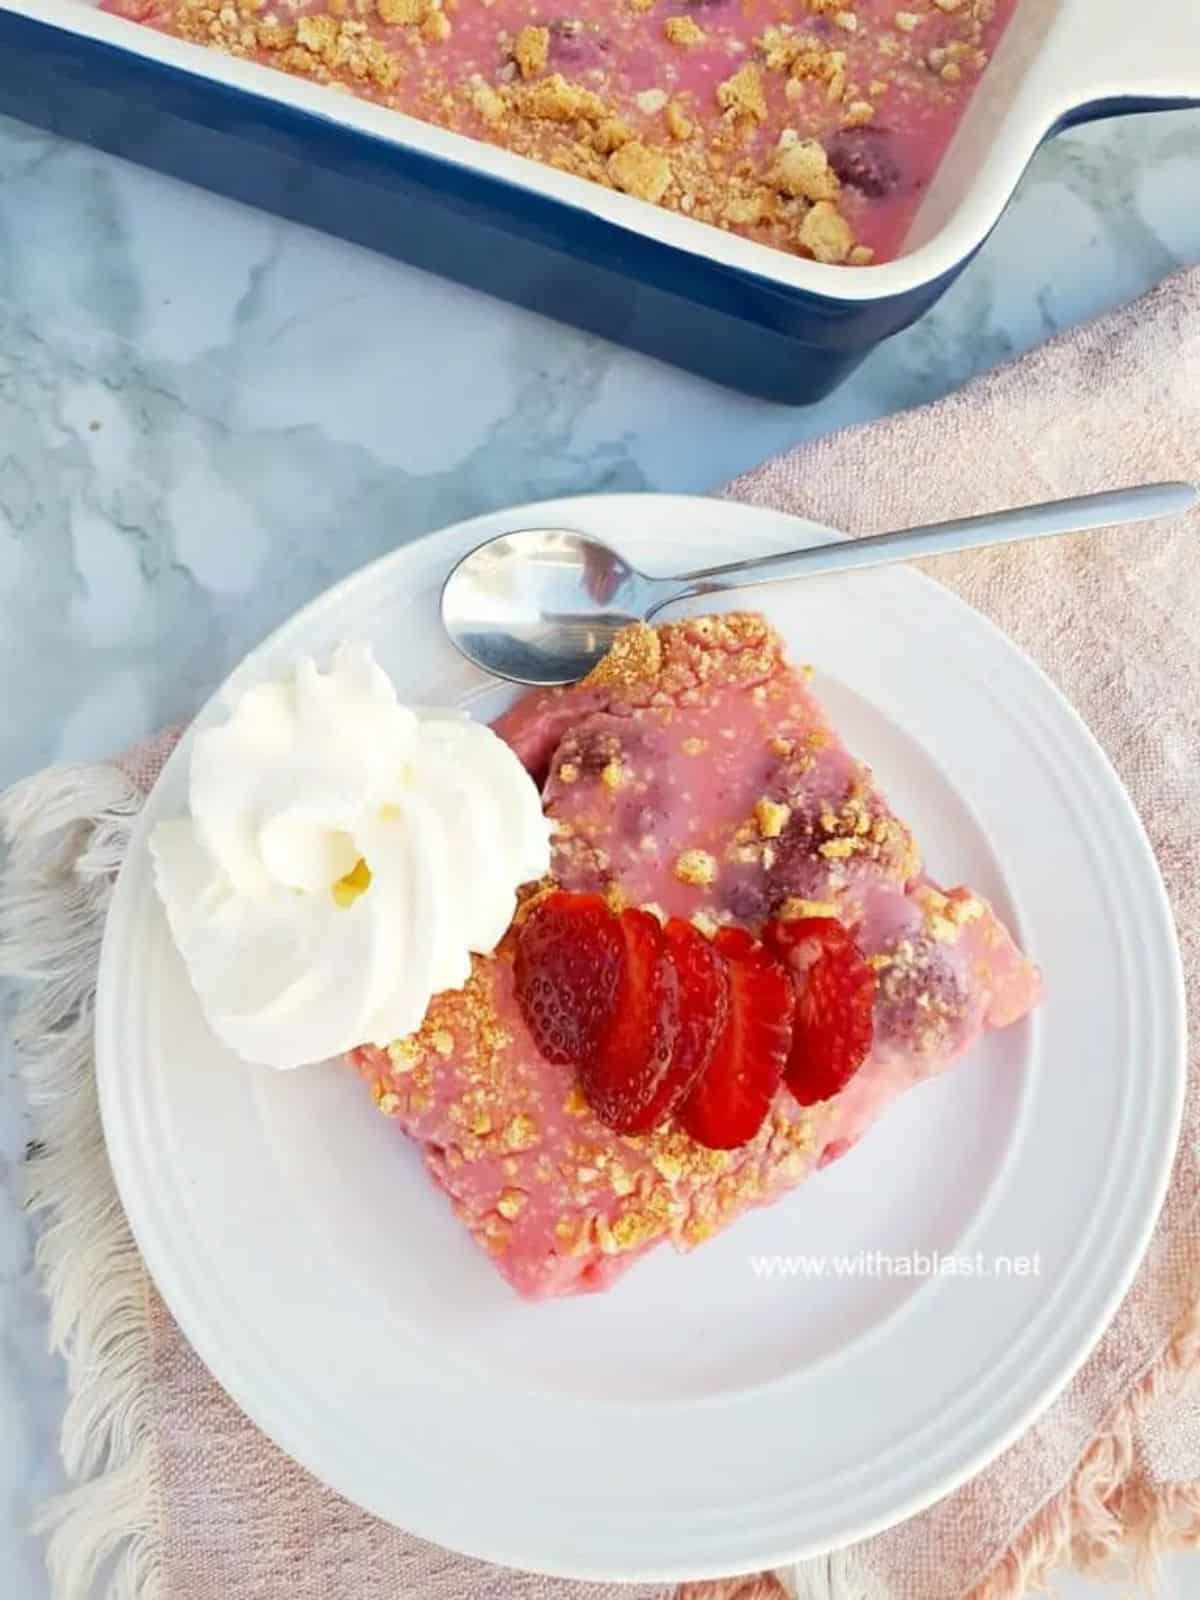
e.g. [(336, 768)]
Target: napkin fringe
[(67, 831), (1110, 1521)]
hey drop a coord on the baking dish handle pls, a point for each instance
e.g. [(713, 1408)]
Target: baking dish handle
[(1106, 57)]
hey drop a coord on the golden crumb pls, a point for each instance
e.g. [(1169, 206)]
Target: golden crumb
[(575, 1105), (317, 33), (511, 1203), (436, 28), (669, 1165), (679, 124), (857, 114), (826, 234), (694, 746), (610, 135), (794, 909), (640, 171), (839, 849), (745, 210), (442, 1041), (613, 775), (684, 31), (274, 35), (521, 1133), (635, 657), (695, 867), (742, 96), (495, 1234), (487, 102), (772, 817), (403, 13), (965, 908), (531, 51), (405, 1054), (802, 169), (555, 100), (622, 1182)]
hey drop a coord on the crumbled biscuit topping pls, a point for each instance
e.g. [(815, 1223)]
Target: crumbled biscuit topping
[(696, 867), (747, 131), (531, 51), (684, 31), (639, 171)]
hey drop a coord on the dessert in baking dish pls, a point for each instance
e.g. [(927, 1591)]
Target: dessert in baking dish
[(735, 962), (810, 125)]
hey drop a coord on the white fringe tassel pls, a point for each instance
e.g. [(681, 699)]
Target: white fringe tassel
[(67, 830)]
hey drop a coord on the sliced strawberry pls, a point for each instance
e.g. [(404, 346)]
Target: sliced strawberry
[(835, 1000), (569, 960), (734, 1093), (623, 1078), (703, 986)]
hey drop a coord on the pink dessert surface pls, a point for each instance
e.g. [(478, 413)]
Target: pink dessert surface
[(814, 126), (694, 773)]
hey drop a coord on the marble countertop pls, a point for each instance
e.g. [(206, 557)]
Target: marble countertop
[(208, 415)]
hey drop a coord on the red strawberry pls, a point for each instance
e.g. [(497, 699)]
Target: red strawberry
[(835, 1000), (623, 1078), (703, 987), (734, 1093), (569, 960)]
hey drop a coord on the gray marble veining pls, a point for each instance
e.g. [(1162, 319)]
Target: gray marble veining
[(207, 415)]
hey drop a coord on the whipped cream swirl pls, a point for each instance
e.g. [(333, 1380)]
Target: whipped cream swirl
[(343, 857)]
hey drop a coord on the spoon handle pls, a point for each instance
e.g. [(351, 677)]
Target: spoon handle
[(941, 538)]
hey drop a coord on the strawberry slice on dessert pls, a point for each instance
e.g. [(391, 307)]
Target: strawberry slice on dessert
[(704, 1000), (835, 1004), (623, 1077), (568, 966), (730, 1101)]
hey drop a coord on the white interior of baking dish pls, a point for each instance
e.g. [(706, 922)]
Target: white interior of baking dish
[(1056, 56)]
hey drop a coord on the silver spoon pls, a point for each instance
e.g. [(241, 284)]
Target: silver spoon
[(542, 605)]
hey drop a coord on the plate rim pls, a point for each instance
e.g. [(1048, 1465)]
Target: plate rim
[(1174, 1052)]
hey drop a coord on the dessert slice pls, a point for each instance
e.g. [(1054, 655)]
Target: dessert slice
[(692, 774)]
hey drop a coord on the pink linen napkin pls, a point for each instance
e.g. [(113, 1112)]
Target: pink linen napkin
[(178, 1497)]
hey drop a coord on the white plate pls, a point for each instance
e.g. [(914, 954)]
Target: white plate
[(698, 1420)]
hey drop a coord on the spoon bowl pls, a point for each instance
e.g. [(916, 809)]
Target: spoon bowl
[(543, 605)]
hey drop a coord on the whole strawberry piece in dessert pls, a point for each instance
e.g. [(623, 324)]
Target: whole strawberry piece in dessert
[(570, 957), (624, 1078), (734, 1092), (865, 159), (835, 999)]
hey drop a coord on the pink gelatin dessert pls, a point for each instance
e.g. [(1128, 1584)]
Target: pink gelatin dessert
[(810, 125), (694, 774)]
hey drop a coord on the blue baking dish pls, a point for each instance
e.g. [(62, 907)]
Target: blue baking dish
[(735, 311)]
